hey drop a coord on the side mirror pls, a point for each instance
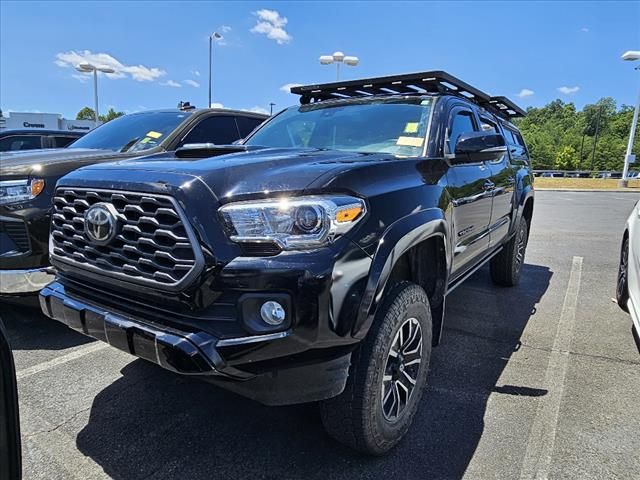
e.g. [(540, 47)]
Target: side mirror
[(474, 147)]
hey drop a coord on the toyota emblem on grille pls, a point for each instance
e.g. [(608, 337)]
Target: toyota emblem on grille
[(100, 223)]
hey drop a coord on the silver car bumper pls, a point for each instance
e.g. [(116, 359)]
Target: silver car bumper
[(25, 281)]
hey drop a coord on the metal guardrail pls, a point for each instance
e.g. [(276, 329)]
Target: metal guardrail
[(582, 174)]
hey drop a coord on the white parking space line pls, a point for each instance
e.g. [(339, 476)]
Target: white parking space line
[(542, 435), (69, 357)]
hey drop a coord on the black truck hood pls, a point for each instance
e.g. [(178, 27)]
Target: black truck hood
[(255, 172), (53, 161)]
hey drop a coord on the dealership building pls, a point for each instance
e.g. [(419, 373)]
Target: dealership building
[(42, 121)]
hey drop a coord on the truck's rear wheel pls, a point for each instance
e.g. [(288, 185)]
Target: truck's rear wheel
[(622, 285), (387, 376), (507, 265)]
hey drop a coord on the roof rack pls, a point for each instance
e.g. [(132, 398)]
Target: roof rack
[(436, 81), (507, 107)]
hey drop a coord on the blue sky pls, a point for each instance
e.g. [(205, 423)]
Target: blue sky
[(540, 50)]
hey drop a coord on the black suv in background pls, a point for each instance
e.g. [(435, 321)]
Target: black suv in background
[(20, 140), (313, 263), (28, 179)]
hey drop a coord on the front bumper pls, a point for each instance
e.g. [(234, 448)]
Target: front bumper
[(179, 351), (18, 282), (197, 352)]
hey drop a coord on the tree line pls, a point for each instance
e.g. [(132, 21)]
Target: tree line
[(561, 137), (89, 114)]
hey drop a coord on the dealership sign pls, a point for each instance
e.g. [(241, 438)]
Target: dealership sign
[(43, 121)]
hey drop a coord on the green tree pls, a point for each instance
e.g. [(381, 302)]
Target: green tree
[(111, 114), (566, 158), (88, 114), (560, 136)]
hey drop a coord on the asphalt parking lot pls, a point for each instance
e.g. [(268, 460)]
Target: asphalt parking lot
[(538, 381)]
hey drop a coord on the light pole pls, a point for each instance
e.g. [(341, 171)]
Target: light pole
[(338, 58), (629, 158), (213, 36), (87, 68), (271, 105)]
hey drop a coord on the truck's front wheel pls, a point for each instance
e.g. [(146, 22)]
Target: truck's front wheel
[(387, 376)]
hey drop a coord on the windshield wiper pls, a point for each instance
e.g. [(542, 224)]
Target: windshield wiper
[(129, 144)]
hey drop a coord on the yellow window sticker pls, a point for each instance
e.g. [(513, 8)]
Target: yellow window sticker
[(145, 140), (411, 127), (410, 141), (153, 134)]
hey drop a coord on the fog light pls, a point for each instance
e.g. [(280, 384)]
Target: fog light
[(272, 313)]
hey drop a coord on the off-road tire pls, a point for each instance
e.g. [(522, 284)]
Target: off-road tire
[(355, 417), (506, 266)]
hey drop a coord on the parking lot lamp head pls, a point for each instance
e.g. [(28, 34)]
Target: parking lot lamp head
[(339, 58), (351, 61)]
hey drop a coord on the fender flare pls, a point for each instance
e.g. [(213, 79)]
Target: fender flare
[(396, 240), (527, 193)]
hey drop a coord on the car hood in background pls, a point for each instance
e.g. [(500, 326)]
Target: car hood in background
[(53, 161)]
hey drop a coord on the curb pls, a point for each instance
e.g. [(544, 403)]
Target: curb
[(613, 190)]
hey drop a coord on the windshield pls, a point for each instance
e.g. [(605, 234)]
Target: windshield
[(395, 126), (132, 133)]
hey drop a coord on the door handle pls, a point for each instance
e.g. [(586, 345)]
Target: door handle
[(488, 185)]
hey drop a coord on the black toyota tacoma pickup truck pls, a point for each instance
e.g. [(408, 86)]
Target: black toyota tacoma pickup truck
[(312, 262), (28, 179)]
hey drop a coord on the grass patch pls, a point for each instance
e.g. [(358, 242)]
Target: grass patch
[(586, 183)]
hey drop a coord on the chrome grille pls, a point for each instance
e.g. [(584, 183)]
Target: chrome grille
[(153, 244)]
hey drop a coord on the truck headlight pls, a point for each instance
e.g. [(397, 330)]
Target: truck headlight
[(293, 223), (12, 191)]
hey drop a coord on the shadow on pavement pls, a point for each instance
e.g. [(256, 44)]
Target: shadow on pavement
[(152, 423), (29, 329)]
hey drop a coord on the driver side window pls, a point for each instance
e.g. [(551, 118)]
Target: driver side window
[(462, 122)]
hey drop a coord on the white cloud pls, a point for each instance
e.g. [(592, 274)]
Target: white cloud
[(288, 86), (271, 24), (216, 105), (225, 28), (584, 29), (568, 90), (257, 109), (171, 83), (193, 83), (525, 92), (81, 77), (196, 72), (139, 73)]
